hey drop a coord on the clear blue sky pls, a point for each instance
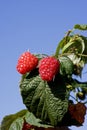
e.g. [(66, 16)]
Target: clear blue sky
[(37, 25)]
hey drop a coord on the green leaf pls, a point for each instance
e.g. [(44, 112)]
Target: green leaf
[(61, 44), (40, 56), (15, 121), (47, 101), (8, 120), (17, 124), (75, 45), (66, 67), (32, 120), (81, 26), (84, 56), (85, 42)]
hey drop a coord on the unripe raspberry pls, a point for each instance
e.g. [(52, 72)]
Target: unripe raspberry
[(26, 62), (48, 68)]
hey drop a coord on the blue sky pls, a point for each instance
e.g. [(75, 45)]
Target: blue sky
[(37, 25)]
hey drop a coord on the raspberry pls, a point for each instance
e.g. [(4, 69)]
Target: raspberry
[(26, 62), (48, 68), (78, 111)]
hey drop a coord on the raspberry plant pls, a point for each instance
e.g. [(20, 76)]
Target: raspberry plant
[(48, 85)]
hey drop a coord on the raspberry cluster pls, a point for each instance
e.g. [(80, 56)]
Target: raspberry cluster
[(78, 111), (48, 66)]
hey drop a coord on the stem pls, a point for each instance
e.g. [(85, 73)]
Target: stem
[(82, 55), (23, 77), (66, 54)]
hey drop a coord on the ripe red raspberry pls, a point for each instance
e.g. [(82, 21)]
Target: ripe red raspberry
[(26, 62), (48, 68)]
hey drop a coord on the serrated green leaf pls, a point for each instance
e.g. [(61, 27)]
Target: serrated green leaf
[(15, 121), (56, 107), (8, 120), (81, 26), (45, 102)]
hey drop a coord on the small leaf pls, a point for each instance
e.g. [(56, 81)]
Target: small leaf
[(84, 56), (75, 45), (81, 26), (8, 120), (66, 67), (61, 44), (40, 56)]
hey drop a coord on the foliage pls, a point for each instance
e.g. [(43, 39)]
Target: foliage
[(48, 103), (15, 121), (44, 98), (80, 27)]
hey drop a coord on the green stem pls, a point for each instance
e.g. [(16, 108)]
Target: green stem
[(82, 55), (23, 77)]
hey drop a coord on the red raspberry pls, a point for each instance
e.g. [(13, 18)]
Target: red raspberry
[(26, 62), (48, 68)]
